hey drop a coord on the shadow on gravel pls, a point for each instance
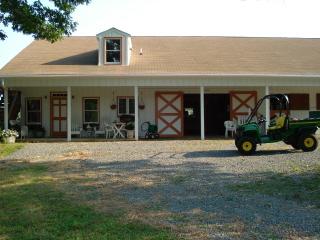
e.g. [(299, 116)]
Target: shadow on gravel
[(222, 204), (233, 153), (255, 205)]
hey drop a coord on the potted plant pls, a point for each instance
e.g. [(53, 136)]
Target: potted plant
[(141, 106), (113, 106), (130, 130), (9, 136)]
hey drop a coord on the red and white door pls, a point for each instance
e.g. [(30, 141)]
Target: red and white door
[(58, 114), (169, 113), (241, 102)]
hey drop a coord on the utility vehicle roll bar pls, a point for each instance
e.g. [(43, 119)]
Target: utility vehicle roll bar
[(282, 99)]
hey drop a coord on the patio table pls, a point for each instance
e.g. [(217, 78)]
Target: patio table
[(119, 127)]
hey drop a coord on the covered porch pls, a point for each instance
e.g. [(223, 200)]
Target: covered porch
[(178, 106)]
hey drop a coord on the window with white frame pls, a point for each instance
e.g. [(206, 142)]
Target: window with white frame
[(33, 111), (125, 106), (91, 111), (113, 50)]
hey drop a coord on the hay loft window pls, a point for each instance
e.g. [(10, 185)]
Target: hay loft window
[(33, 111), (113, 51), (126, 106), (91, 111)]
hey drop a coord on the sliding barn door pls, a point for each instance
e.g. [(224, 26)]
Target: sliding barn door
[(241, 102), (169, 113)]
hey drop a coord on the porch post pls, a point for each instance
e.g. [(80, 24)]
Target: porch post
[(136, 112), (6, 112), (202, 112), (68, 114), (267, 92)]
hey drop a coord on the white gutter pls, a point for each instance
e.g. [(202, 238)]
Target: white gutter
[(161, 75)]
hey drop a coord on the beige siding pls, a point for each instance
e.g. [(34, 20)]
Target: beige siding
[(148, 95)]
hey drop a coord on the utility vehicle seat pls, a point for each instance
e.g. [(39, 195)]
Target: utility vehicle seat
[(280, 123)]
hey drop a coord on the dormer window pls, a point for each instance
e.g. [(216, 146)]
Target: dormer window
[(113, 50)]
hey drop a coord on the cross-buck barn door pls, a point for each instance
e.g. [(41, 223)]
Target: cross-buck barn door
[(240, 102), (169, 113), (58, 114)]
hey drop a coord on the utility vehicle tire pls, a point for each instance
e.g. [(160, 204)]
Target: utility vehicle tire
[(308, 142), (246, 145)]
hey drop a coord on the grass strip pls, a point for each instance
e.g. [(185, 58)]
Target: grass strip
[(302, 186), (31, 207), (7, 149)]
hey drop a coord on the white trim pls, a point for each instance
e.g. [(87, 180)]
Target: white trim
[(84, 109), (136, 109), (202, 112), (112, 31), (69, 114), (161, 75), (6, 113), (127, 98), (27, 110), (105, 50), (267, 92), (190, 81)]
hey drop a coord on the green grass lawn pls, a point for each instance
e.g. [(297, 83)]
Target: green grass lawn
[(32, 207), (300, 185), (7, 149)]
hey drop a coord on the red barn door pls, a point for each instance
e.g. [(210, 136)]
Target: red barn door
[(240, 102), (169, 113)]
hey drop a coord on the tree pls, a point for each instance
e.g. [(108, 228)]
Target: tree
[(49, 21)]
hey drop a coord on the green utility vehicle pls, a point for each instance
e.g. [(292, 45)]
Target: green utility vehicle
[(300, 134)]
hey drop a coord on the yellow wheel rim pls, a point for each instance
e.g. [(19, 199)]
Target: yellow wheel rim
[(308, 142), (247, 146)]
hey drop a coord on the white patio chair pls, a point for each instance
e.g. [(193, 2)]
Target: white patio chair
[(110, 131), (230, 126), (24, 132), (76, 129), (100, 131)]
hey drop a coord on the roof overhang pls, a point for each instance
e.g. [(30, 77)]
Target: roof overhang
[(163, 80)]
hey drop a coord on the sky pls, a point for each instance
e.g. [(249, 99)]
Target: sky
[(259, 18)]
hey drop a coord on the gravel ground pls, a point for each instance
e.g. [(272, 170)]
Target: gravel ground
[(184, 184)]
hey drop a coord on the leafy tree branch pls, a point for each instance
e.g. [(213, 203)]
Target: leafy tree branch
[(39, 20)]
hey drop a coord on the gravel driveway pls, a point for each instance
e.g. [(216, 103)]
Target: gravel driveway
[(185, 184)]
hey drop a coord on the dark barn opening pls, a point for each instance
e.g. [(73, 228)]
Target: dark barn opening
[(216, 109)]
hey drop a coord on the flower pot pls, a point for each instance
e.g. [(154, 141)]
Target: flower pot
[(141, 107), (130, 134), (11, 139)]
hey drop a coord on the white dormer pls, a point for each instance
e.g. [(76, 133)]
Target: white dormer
[(114, 47)]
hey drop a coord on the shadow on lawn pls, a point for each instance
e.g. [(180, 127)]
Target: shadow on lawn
[(33, 207)]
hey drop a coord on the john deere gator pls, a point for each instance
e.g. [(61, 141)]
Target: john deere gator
[(300, 134)]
